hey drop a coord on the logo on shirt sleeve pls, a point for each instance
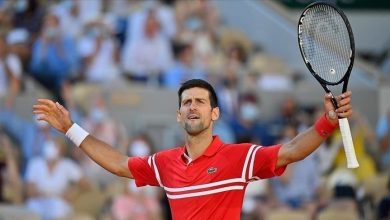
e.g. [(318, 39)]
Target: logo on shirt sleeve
[(212, 170)]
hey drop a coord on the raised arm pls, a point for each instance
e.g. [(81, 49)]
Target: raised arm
[(308, 141), (103, 154)]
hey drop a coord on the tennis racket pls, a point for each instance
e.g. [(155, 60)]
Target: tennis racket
[(327, 47)]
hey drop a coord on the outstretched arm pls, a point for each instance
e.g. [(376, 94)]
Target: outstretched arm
[(308, 141), (103, 154)]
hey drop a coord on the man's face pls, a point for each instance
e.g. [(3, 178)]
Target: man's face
[(195, 113)]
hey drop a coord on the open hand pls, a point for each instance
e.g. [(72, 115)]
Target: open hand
[(53, 113)]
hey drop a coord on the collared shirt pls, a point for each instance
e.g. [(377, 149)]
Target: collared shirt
[(213, 185)]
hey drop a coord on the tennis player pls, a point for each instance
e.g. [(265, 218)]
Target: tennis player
[(205, 178)]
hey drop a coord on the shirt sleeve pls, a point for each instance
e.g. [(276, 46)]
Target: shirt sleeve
[(142, 169), (265, 162)]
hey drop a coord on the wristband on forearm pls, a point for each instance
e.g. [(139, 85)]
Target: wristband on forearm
[(76, 134), (324, 127)]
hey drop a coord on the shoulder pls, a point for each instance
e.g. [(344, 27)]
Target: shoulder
[(237, 150), (169, 153), (37, 161)]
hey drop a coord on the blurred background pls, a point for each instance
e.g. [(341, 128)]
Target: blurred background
[(117, 65)]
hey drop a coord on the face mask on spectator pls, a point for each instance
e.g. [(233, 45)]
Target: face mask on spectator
[(95, 32), (249, 111), (21, 5), (50, 151), (139, 148), (98, 115), (51, 32), (193, 23)]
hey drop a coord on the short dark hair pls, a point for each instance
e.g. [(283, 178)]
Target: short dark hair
[(199, 83)]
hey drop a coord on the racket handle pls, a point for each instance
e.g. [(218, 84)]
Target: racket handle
[(348, 144)]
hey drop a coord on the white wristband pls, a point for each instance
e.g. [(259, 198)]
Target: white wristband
[(76, 134)]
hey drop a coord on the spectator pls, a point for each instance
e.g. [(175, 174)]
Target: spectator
[(198, 22), (383, 135), (136, 204), (68, 13), (247, 126), (144, 59), (29, 14), (100, 53), (164, 15), (140, 145), (229, 92), (184, 68), (99, 122), (10, 74), (49, 178), (384, 205), (287, 115), (18, 40), (9, 172), (29, 134), (365, 146), (54, 57), (342, 182), (297, 187)]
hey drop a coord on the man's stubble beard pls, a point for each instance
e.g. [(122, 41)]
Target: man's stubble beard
[(194, 129)]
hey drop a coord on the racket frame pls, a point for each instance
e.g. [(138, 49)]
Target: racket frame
[(345, 78), (343, 122)]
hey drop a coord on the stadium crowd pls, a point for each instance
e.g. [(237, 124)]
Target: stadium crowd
[(158, 44)]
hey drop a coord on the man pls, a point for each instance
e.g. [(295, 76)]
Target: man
[(205, 178)]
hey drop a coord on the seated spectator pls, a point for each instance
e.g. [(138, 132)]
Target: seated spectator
[(247, 126), (383, 135), (384, 205), (100, 53), (70, 18), (198, 22), (10, 181), (342, 183), (297, 187), (184, 68), (49, 179), (164, 15), (136, 204), (146, 58), (18, 40), (10, 74), (140, 145), (365, 147), (288, 115), (54, 58), (29, 134), (28, 14), (98, 122)]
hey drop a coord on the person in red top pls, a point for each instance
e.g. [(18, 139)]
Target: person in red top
[(205, 178)]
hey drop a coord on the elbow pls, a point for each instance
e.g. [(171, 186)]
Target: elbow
[(122, 169), (293, 154)]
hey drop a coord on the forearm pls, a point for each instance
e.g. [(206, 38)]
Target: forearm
[(106, 156), (301, 146), (306, 142)]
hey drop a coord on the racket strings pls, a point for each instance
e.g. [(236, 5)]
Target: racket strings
[(326, 43)]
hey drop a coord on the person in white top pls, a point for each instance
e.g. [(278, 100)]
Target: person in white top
[(48, 179), (145, 58), (10, 74), (100, 53)]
